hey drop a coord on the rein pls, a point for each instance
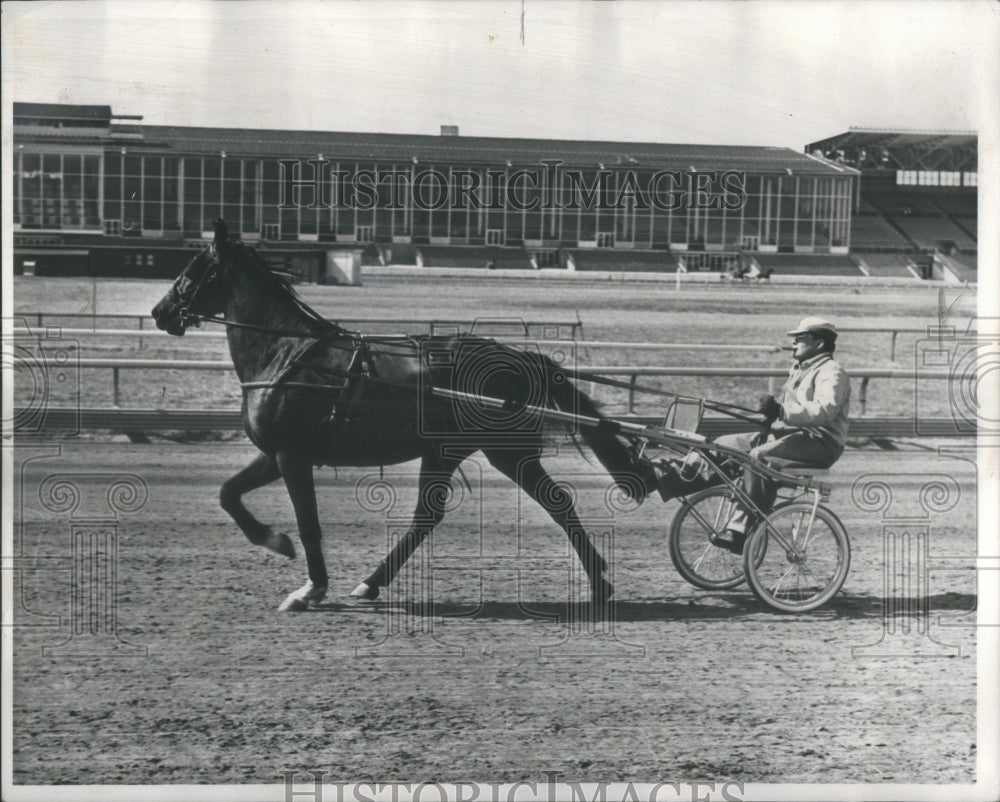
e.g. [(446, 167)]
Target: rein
[(732, 410), (359, 343), (263, 329)]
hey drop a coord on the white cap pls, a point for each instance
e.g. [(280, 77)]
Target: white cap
[(814, 325)]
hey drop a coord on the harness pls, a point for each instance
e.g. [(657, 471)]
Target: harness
[(361, 367)]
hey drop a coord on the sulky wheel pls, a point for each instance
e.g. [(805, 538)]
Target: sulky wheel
[(804, 561), (695, 558)]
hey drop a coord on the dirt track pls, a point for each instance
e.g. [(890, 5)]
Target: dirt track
[(503, 677)]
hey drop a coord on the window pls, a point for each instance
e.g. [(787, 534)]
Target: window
[(364, 234), (212, 188), (970, 179), (250, 196), (91, 192), (192, 197), (605, 239), (113, 228), (72, 199), (494, 236), (171, 198), (52, 180), (152, 193), (131, 204), (271, 231)]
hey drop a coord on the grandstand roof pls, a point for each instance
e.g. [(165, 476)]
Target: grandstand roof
[(490, 151), (54, 113), (901, 149)]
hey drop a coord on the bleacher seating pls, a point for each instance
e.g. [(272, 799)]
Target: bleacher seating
[(799, 264), (931, 232), (498, 258), (891, 265), (965, 266), (875, 233), (928, 219), (371, 255), (399, 253), (901, 202), (865, 207), (958, 204), (622, 260)]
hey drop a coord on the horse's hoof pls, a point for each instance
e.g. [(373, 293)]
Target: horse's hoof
[(292, 605), (301, 599), (365, 592), (280, 543)]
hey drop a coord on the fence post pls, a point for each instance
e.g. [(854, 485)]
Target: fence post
[(114, 372), (892, 347), (863, 395), (633, 379), (142, 340), (39, 320)]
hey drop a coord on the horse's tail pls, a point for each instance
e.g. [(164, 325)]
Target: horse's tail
[(610, 449)]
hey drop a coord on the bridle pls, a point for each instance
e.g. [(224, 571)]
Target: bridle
[(209, 277)]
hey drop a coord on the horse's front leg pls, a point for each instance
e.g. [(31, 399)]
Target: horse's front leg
[(298, 475), (262, 471), (433, 489)]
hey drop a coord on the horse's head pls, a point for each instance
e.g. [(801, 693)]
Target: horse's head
[(198, 290)]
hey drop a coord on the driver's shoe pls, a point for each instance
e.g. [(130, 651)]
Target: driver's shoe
[(732, 540), (662, 476)]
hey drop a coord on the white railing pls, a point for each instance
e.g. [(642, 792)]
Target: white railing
[(575, 327), (633, 372), (595, 344)]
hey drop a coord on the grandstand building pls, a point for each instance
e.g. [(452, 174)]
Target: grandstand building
[(917, 202), (101, 193)]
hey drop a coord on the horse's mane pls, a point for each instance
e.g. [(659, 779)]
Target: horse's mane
[(280, 284)]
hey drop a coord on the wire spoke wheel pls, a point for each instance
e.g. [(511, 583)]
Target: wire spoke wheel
[(804, 558), (694, 556)]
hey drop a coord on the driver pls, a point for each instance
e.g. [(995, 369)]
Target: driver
[(808, 429)]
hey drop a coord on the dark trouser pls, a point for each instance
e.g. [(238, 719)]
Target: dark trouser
[(779, 451)]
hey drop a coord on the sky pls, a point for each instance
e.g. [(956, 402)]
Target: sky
[(713, 72)]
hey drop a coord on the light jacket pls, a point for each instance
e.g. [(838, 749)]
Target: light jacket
[(817, 398)]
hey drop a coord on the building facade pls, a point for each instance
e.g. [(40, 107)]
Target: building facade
[(79, 172)]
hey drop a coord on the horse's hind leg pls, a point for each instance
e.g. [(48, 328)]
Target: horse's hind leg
[(262, 471), (297, 471), (433, 488), (525, 469)]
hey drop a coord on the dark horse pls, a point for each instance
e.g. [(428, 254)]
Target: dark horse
[(317, 394)]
